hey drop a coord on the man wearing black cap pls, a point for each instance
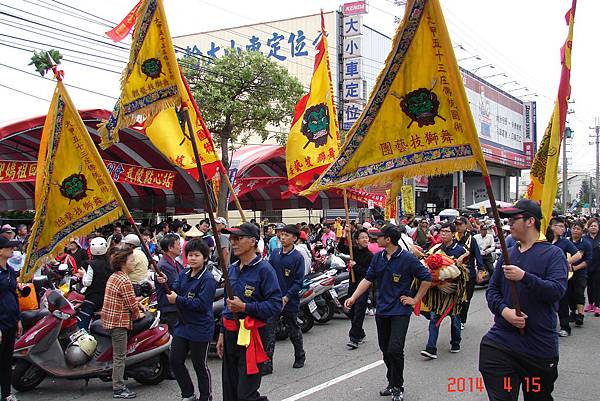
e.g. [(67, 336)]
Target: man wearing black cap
[(394, 271), (507, 359), (465, 238), (256, 300), (288, 263)]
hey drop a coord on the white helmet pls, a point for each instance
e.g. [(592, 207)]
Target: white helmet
[(98, 246)]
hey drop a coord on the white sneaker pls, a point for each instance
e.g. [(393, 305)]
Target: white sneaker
[(462, 326), (11, 398), (563, 333)]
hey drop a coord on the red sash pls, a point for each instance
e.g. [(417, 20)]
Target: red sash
[(255, 352)]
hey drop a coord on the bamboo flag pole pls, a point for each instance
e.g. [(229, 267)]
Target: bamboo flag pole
[(208, 204), (349, 239), (235, 197)]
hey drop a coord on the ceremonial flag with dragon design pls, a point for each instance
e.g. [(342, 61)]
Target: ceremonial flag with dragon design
[(417, 120), (74, 193), (154, 92), (313, 141), (544, 168)]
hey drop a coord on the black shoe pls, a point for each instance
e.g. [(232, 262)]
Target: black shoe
[(455, 349), (266, 370), (298, 363), (428, 353), (572, 317), (386, 392), (123, 393), (397, 395), (352, 344), (579, 320)]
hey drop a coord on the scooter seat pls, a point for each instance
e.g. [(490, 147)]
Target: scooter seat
[(142, 324), (97, 328), (341, 277), (31, 317)]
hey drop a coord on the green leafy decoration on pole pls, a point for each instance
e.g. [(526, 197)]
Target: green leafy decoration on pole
[(44, 60)]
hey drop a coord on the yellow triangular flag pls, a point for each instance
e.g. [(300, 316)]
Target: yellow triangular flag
[(74, 192), (417, 120), (149, 81)]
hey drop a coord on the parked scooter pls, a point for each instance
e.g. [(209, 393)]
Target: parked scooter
[(40, 353)]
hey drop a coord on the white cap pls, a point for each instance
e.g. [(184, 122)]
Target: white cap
[(221, 220), (131, 239)]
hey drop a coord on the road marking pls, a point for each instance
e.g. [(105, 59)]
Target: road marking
[(331, 382)]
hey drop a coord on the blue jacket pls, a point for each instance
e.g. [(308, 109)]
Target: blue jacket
[(257, 286), (394, 278), (289, 268), (9, 303), (584, 245), (171, 268), (195, 301), (543, 285), (595, 262)]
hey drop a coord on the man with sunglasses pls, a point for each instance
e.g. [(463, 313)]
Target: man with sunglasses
[(256, 300), (509, 359)]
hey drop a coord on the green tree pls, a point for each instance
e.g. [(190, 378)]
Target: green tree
[(584, 193), (240, 95)]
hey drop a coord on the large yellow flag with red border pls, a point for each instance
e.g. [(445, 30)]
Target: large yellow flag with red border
[(313, 141), (74, 194), (417, 120), (154, 92), (544, 168)]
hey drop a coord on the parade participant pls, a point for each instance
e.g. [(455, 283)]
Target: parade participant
[(442, 303), (359, 266), (220, 224), (22, 235), (193, 292), (289, 267), (593, 279), (256, 300), (556, 230), (8, 231), (507, 356), (421, 236), (94, 280), (193, 233), (162, 230), (465, 237), (576, 285), (328, 235), (9, 316), (119, 311), (117, 231), (140, 271), (204, 226), (170, 269), (275, 242), (393, 271), (79, 255), (304, 251)]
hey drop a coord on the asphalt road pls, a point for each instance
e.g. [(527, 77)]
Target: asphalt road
[(333, 372)]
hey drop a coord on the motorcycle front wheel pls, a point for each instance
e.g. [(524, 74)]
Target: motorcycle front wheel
[(26, 376), (326, 309), (305, 320)]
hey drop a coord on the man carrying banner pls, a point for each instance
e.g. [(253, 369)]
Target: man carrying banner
[(507, 358)]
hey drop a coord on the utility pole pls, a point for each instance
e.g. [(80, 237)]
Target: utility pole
[(590, 197), (596, 138), (568, 134)]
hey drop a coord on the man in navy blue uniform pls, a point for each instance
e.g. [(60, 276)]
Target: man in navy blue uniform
[(449, 247), (394, 271), (256, 300), (507, 358), (577, 283), (288, 263)]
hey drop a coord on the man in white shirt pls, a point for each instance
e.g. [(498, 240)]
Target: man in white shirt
[(487, 246)]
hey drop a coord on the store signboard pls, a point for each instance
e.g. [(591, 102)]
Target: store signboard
[(354, 8)]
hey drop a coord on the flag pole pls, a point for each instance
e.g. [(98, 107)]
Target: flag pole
[(207, 201), (195, 146), (349, 239), (513, 286)]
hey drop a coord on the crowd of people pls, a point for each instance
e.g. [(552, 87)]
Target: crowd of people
[(267, 263)]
